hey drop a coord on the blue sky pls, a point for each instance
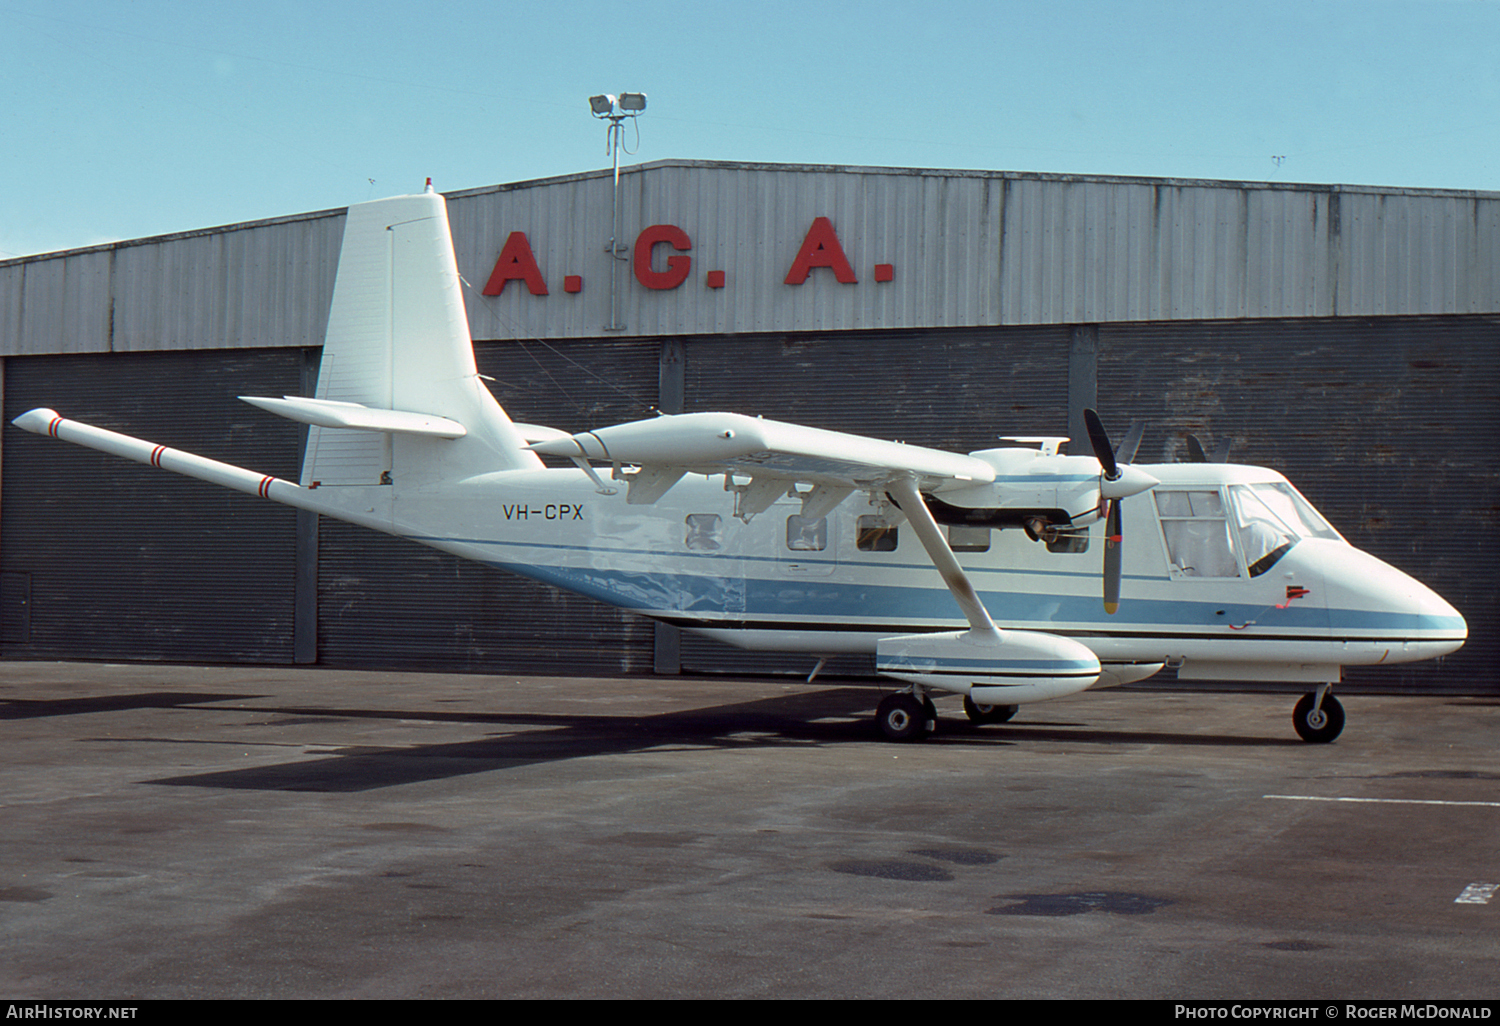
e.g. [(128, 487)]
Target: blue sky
[(126, 119)]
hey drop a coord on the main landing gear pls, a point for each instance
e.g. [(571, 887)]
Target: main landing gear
[(1318, 716), (988, 713), (906, 717), (911, 716)]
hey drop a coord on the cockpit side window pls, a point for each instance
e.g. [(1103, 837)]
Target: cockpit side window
[(1271, 517), (1196, 529), (1294, 511), (1264, 536)]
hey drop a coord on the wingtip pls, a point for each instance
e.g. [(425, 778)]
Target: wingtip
[(37, 420)]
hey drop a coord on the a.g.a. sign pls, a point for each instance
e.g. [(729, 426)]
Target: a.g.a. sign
[(820, 249)]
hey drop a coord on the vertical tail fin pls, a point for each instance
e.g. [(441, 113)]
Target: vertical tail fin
[(398, 339)]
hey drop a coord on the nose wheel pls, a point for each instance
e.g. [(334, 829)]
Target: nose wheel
[(1318, 721)]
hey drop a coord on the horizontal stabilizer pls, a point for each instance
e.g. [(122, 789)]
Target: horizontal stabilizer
[(332, 414), (534, 433)]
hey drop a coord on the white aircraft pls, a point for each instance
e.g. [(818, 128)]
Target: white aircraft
[(774, 536)]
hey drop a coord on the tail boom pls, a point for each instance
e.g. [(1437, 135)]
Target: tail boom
[(264, 486)]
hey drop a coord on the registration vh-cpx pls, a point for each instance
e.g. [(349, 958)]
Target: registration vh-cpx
[(1010, 575)]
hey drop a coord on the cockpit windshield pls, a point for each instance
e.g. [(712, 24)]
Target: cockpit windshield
[(1271, 518)]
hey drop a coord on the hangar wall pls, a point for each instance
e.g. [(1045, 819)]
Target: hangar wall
[(1345, 336), (963, 248)]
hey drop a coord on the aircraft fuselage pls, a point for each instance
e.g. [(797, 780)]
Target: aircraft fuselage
[(836, 584)]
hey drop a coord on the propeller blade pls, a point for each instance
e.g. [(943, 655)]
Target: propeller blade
[(1221, 451), (1126, 450), (1099, 439), (1119, 481), (1195, 450), (1112, 548)]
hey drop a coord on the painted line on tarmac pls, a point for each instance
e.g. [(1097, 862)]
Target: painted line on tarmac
[(1382, 801), (1476, 894)]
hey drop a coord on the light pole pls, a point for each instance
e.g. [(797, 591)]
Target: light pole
[(615, 110)]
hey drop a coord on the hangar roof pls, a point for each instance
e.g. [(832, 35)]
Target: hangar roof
[(711, 247)]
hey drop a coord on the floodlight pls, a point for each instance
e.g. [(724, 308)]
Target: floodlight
[(604, 107)]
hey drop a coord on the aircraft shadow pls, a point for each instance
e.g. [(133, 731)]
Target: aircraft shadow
[(28, 708), (825, 717), (784, 720)]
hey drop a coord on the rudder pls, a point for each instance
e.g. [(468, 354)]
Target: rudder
[(398, 339)]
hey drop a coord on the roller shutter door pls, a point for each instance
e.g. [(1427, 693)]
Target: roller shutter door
[(120, 561), (957, 390), (1387, 424), (384, 601)]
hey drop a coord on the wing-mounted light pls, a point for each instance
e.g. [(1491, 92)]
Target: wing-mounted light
[(1116, 481)]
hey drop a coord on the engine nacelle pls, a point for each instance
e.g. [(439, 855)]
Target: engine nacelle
[(1036, 486), (1022, 666)]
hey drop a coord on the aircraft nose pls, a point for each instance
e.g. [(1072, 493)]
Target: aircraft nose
[(1370, 592), (1437, 608)]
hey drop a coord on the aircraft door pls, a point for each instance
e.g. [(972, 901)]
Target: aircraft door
[(1225, 552), (1195, 527), (718, 578)]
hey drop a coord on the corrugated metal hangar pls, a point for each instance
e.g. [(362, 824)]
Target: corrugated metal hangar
[(1346, 336)]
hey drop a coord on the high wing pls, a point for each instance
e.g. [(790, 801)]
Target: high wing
[(774, 455)]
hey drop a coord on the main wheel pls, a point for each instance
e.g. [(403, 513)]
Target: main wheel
[(1318, 727), (987, 713), (902, 717)]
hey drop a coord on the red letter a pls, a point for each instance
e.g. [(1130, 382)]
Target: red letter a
[(516, 262), (820, 249)]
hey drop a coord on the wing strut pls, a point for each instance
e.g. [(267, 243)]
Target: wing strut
[(910, 500)]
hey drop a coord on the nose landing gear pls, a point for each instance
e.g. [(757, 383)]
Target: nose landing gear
[(1318, 717)]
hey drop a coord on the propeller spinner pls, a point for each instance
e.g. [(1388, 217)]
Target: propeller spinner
[(1118, 481)]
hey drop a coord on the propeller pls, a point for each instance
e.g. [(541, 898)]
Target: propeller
[(1118, 482), (1195, 450), (1126, 450), (1197, 455)]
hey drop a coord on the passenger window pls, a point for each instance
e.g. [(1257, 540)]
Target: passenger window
[(969, 539), (806, 534), (1197, 534), (703, 532), (875, 535)]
